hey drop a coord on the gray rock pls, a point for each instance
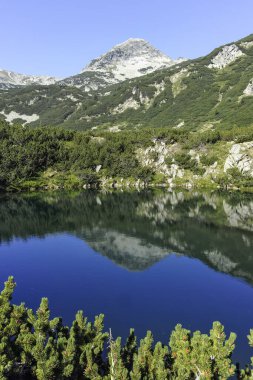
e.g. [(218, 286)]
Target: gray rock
[(226, 56), (240, 157), (249, 89)]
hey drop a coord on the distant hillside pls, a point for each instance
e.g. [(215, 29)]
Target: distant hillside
[(10, 79), (211, 92), (132, 58)]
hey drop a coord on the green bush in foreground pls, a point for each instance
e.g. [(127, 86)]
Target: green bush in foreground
[(33, 346)]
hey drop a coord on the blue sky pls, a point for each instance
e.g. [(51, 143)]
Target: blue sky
[(59, 37)]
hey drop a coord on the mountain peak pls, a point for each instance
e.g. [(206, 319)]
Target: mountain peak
[(138, 46), (132, 40), (129, 59)]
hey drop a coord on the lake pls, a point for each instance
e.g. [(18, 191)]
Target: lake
[(147, 260)]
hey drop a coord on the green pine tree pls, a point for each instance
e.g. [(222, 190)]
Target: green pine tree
[(7, 356)]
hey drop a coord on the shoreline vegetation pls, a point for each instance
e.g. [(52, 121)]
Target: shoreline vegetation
[(46, 158), (33, 346)]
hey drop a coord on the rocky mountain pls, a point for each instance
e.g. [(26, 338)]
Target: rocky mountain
[(130, 59), (139, 86), (9, 79), (215, 90)]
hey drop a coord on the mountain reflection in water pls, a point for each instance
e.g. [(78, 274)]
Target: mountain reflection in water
[(136, 230)]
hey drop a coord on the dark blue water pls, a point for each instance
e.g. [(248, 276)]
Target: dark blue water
[(107, 263)]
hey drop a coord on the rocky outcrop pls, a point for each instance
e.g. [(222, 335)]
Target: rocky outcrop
[(177, 81), (155, 156), (211, 170), (160, 87), (226, 56), (139, 99), (129, 103), (10, 79), (241, 157), (246, 45), (10, 117), (249, 89)]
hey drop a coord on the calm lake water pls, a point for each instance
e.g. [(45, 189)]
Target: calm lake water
[(147, 260)]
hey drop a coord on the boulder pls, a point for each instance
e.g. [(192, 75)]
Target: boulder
[(241, 157)]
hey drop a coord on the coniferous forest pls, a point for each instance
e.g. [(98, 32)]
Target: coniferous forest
[(57, 158), (33, 346)]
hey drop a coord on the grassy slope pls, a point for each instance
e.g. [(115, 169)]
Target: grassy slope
[(194, 98)]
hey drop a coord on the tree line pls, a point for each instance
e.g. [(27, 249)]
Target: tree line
[(76, 158), (25, 153)]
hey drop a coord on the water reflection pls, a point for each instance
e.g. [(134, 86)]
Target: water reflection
[(136, 230)]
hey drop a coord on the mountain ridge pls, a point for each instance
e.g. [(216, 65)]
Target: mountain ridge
[(110, 68), (9, 79), (209, 91)]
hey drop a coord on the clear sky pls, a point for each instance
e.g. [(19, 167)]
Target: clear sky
[(59, 37)]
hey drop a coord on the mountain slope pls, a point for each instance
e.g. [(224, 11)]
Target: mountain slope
[(212, 90), (215, 91)]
